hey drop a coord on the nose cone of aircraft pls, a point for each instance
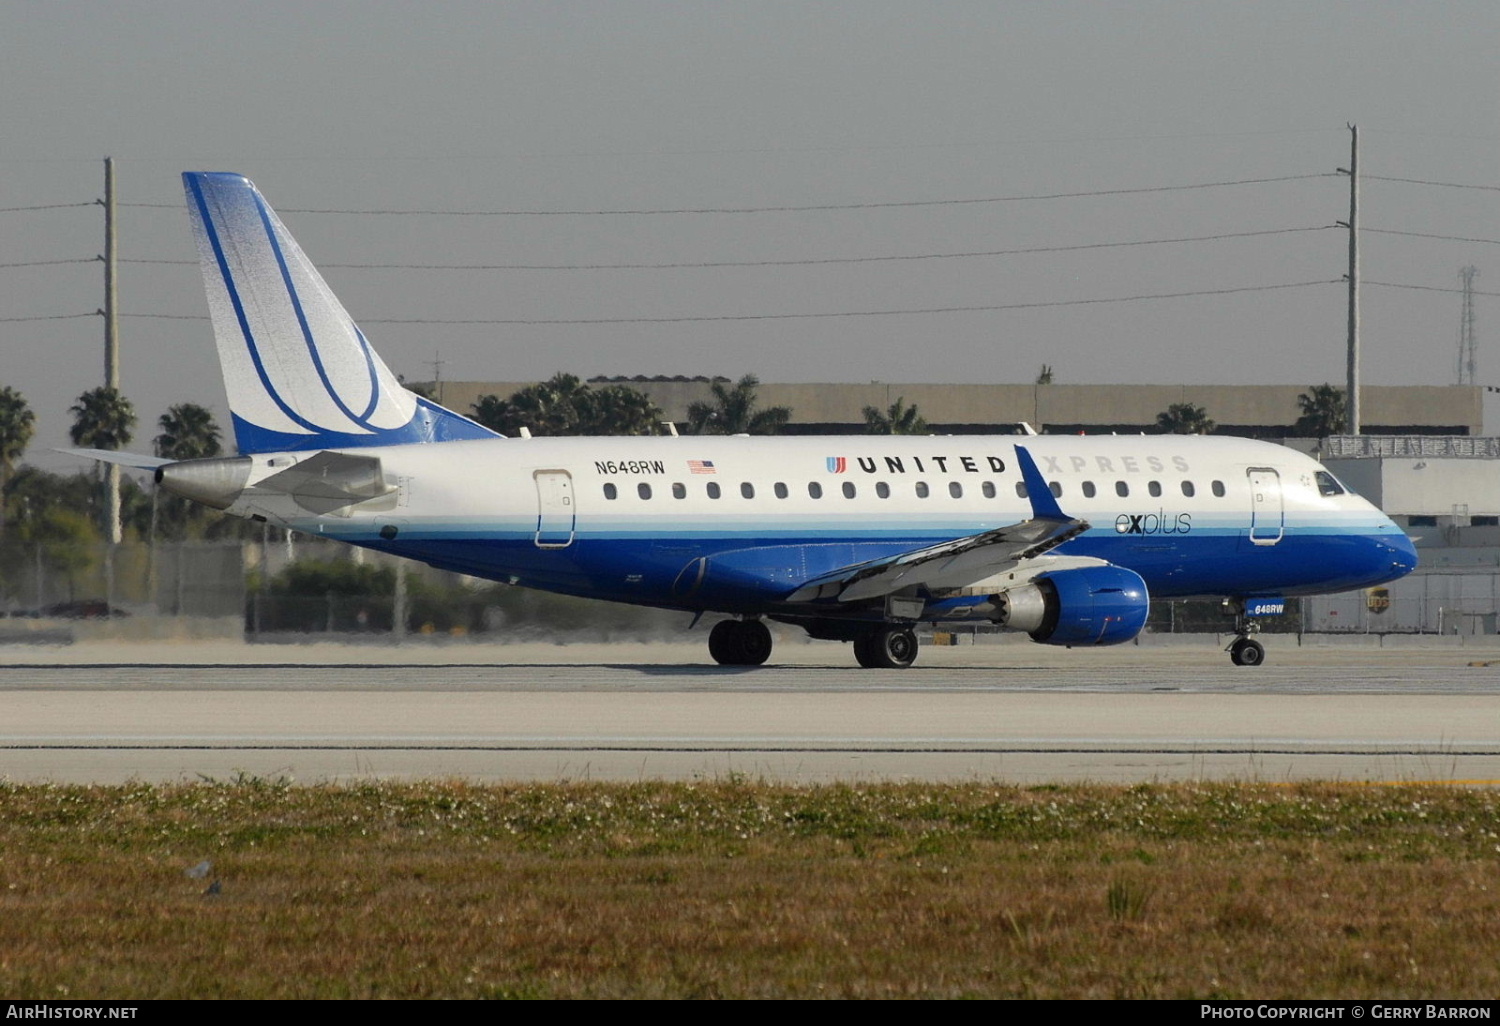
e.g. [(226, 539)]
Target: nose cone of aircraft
[(1403, 555)]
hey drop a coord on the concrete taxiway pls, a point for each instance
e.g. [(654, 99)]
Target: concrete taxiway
[(1012, 712)]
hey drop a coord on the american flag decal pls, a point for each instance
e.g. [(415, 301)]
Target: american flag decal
[(837, 464), (701, 466)]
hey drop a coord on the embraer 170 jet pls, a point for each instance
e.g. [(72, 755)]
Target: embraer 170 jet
[(852, 538)]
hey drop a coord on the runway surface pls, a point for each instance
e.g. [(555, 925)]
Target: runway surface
[(1019, 713)]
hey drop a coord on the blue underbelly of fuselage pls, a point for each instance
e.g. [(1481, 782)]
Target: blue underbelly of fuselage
[(752, 574)]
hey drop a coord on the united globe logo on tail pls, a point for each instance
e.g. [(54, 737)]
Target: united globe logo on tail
[(298, 371)]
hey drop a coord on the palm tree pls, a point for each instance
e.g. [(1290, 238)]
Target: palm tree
[(565, 405), (733, 412), (1185, 419), (17, 423), (899, 419), (102, 419), (1324, 412), (105, 419), (617, 410), (547, 408), (1045, 376), (188, 432)]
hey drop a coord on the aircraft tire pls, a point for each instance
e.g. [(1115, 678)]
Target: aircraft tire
[(739, 643), (890, 648), (722, 640), (755, 643), (1247, 652)]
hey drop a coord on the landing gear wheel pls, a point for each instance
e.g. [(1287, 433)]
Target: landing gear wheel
[(755, 643), (890, 648), (739, 643), (1247, 652)]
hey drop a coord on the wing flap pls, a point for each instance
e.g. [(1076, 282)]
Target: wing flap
[(960, 561), (951, 563)]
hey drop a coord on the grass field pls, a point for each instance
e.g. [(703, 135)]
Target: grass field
[(738, 889)]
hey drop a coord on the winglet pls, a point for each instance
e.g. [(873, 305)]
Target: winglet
[(1043, 504)]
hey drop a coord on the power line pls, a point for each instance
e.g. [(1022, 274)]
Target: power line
[(784, 209), (804, 316), (51, 317), (1426, 235), (1425, 288), (51, 263), (1423, 181), (48, 206), (786, 263)]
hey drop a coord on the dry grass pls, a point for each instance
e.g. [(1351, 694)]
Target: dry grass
[(734, 889)]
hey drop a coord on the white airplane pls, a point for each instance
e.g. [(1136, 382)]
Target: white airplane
[(852, 538)]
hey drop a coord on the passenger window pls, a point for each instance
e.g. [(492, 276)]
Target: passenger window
[(988, 488), (1188, 489), (1219, 489), (814, 489), (955, 489), (713, 489), (1089, 491), (883, 490), (1020, 489), (781, 492), (848, 489), (921, 489), (1122, 489), (1328, 484), (747, 489), (1155, 489), (643, 490), (679, 490), (1055, 489), (610, 491)]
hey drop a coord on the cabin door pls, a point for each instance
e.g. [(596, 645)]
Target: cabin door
[(556, 514), (1267, 512)]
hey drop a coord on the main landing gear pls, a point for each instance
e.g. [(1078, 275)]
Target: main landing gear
[(748, 643), (886, 648), (739, 643), (1244, 650)]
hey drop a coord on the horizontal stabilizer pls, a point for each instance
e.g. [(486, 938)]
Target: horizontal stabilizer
[(124, 459)]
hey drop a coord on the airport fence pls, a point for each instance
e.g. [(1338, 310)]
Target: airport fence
[(240, 579), (94, 581)]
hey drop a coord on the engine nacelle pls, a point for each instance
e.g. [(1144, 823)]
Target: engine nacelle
[(1093, 605)]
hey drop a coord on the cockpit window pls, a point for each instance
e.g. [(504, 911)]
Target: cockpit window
[(1328, 484)]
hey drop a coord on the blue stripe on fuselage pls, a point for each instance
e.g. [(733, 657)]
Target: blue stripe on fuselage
[(643, 567)]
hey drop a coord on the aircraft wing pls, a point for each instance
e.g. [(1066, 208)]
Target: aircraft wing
[(955, 563)]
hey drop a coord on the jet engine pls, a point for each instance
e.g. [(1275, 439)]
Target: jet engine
[(1094, 605)]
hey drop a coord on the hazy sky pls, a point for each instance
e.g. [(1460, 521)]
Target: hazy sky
[(633, 105)]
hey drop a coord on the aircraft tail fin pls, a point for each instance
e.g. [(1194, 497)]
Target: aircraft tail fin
[(298, 371)]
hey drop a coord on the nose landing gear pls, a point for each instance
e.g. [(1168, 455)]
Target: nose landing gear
[(1244, 650)]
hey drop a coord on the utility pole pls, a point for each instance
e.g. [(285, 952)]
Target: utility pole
[(111, 343), (1466, 342), (437, 362), (1352, 394)]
